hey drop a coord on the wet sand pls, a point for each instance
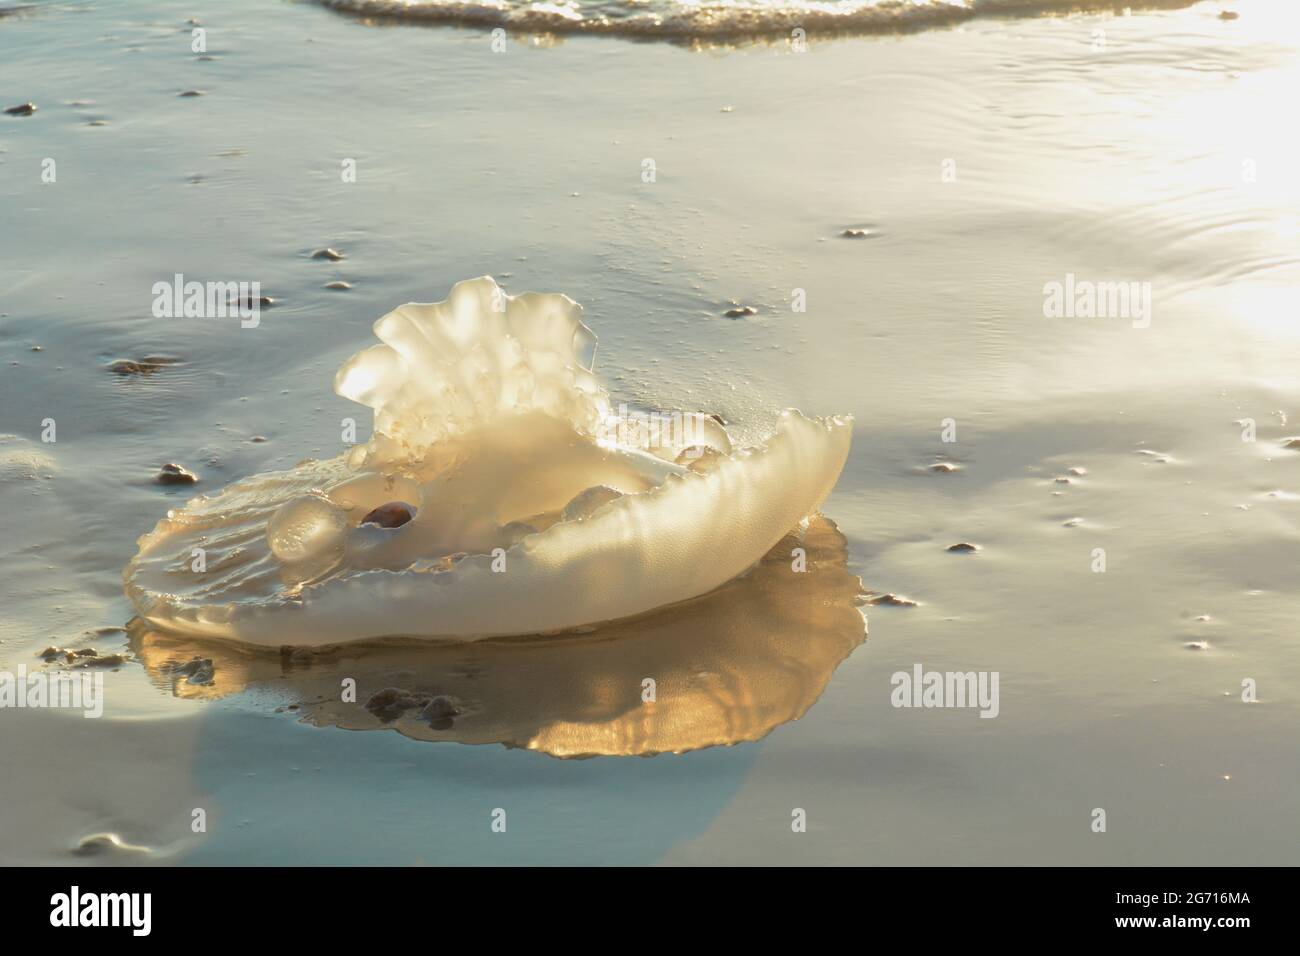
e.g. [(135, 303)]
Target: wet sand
[(1120, 689)]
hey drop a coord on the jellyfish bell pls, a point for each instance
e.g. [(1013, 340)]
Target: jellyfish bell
[(522, 516)]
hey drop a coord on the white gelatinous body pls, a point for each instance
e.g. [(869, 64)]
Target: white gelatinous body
[(309, 526), (535, 510)]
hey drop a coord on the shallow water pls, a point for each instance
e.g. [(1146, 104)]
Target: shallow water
[(1147, 153)]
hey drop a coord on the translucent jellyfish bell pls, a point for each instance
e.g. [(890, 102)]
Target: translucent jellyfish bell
[(306, 528)]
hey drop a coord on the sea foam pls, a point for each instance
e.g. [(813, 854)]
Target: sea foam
[(704, 21)]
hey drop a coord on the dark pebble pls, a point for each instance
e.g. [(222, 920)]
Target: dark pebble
[(172, 474), (390, 703), (892, 600), (108, 660), (145, 366), (740, 311), (333, 255), (392, 515), (22, 109), (963, 548), (440, 708)]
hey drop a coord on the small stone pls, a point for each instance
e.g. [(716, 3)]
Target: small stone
[(1078, 472), (333, 255), (51, 652), (892, 600), (943, 468), (392, 515), (192, 93), (390, 703), (1228, 14), (338, 285), (173, 474), (740, 311), (855, 234), (107, 660), (22, 109), (963, 547), (145, 366), (440, 708), (258, 439)]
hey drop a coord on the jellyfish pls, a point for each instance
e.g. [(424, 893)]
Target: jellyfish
[(500, 494)]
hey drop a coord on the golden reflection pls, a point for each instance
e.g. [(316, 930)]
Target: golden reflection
[(721, 669)]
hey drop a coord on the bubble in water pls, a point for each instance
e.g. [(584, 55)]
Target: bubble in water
[(305, 527)]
